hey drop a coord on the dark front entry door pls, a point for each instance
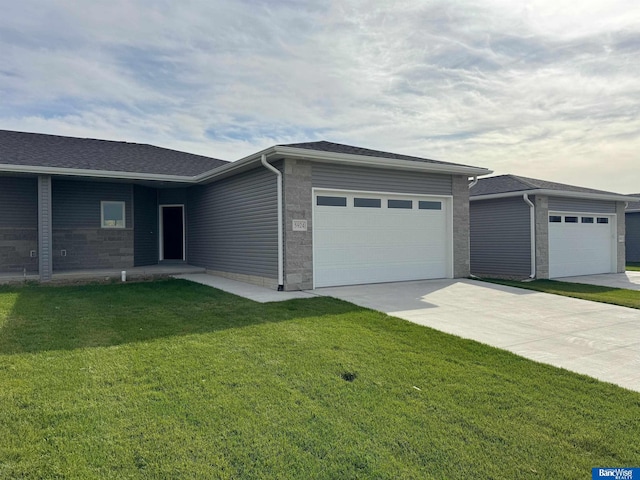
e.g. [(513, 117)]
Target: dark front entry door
[(172, 233)]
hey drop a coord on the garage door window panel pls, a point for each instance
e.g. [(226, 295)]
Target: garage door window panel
[(427, 205), (587, 219), (571, 219), (603, 220), (401, 204), (327, 201), (367, 202)]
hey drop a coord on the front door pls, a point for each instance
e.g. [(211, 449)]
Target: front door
[(172, 238)]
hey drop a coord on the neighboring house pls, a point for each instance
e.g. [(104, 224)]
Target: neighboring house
[(524, 227), (633, 229), (292, 216)]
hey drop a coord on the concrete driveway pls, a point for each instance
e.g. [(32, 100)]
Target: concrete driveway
[(629, 280), (599, 340)]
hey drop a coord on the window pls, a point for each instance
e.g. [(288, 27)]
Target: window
[(570, 219), (331, 201), (399, 204), (587, 219), (425, 205), (112, 214), (367, 202), (555, 219), (603, 220)]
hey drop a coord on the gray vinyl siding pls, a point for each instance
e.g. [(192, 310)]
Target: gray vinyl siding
[(18, 202), (145, 236), (172, 196), (500, 237), (633, 236), (233, 224), (559, 204), (346, 177), (76, 204)]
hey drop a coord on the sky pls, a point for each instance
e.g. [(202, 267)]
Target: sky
[(548, 89)]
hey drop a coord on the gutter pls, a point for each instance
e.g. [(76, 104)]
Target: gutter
[(612, 197), (532, 219), (268, 166)]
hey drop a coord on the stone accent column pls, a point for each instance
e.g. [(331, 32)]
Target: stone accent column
[(542, 236), (298, 245), (45, 237), (460, 190), (621, 231)]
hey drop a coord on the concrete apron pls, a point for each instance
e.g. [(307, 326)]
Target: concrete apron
[(628, 280), (595, 339)]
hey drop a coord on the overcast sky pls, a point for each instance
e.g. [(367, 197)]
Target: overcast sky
[(548, 89)]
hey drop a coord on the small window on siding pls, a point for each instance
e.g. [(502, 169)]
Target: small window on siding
[(367, 202), (570, 219), (400, 204), (587, 219), (112, 214), (555, 219), (603, 220), (426, 205), (331, 201)]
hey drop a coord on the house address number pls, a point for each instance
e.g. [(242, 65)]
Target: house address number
[(299, 225)]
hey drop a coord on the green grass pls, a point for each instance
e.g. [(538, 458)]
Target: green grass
[(633, 266), (176, 380), (596, 293)]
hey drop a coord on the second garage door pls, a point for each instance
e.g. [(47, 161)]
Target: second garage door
[(581, 244), (364, 237)]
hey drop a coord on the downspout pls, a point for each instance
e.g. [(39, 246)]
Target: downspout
[(532, 218), (268, 166), (473, 183)]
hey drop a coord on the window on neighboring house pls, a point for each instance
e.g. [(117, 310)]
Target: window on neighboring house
[(112, 214)]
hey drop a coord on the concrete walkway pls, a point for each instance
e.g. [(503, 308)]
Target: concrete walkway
[(599, 340), (246, 290), (629, 280)]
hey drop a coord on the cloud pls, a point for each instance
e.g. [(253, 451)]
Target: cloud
[(538, 88)]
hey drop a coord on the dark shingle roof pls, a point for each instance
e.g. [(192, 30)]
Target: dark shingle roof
[(515, 183), (324, 146), (40, 150)]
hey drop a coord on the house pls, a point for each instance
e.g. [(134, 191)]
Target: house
[(291, 217), (523, 227), (632, 218)]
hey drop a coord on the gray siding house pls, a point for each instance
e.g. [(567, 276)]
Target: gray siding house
[(632, 216), (524, 227), (291, 217)]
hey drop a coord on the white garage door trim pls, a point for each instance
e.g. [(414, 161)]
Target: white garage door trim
[(446, 201), (594, 267)]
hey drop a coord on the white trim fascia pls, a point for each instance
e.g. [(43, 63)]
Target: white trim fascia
[(364, 160), (635, 210), (80, 172), (554, 193)]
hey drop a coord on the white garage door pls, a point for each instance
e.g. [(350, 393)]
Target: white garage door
[(581, 244), (364, 237)]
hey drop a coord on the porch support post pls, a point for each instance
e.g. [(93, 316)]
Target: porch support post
[(45, 237)]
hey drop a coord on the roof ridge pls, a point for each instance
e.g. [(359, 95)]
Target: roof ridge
[(526, 180)]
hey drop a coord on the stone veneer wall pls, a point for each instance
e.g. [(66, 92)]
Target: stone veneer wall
[(92, 248), (461, 263), (542, 236), (298, 205), (621, 225), (16, 245)]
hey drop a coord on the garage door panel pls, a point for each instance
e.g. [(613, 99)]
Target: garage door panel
[(355, 245), (580, 248)]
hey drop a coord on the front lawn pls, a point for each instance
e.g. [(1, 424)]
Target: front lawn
[(633, 266), (176, 380), (596, 293)]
